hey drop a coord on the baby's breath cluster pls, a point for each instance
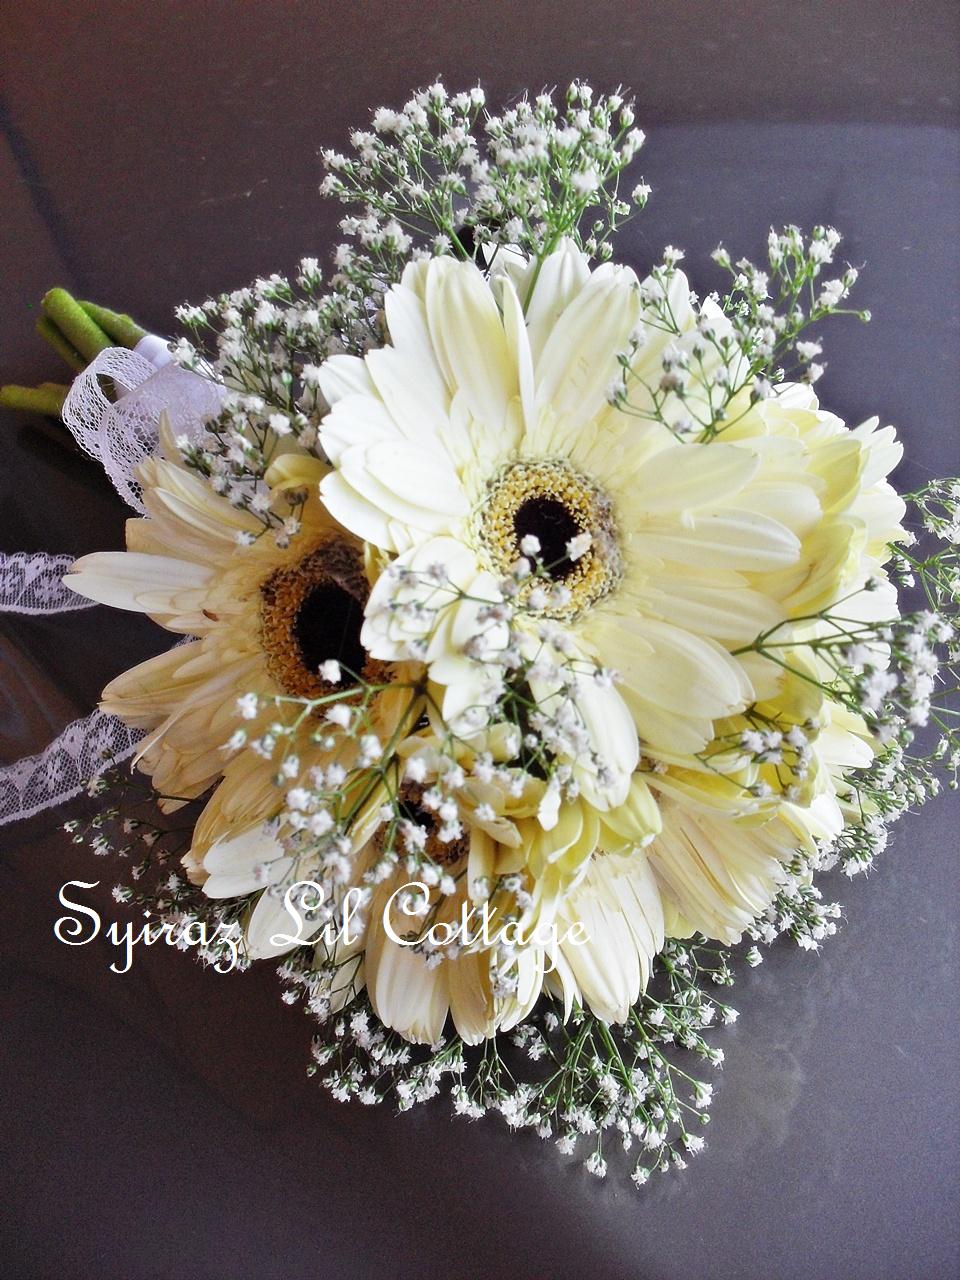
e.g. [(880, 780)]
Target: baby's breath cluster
[(743, 345), (535, 738), (585, 1086), (445, 174)]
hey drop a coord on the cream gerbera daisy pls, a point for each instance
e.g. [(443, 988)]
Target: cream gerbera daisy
[(486, 425), (475, 927), (263, 619)]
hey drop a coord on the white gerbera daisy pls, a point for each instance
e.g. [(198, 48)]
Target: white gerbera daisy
[(483, 436)]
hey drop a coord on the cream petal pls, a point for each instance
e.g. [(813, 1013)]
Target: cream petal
[(231, 864), (387, 630), (192, 503), (606, 965), (683, 673), (516, 331), (359, 515), (468, 336), (245, 796), (638, 897), (530, 975), (368, 481), (843, 749), (884, 451), (730, 616), (470, 689), (612, 730), (405, 994), (124, 579), (562, 276), (666, 731), (559, 980), (471, 997), (723, 540), (579, 357), (153, 689), (410, 335), (717, 873), (414, 394), (272, 931), (421, 480), (356, 420), (689, 476), (796, 506)]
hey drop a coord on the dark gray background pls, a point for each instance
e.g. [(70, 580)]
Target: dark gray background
[(160, 1124)]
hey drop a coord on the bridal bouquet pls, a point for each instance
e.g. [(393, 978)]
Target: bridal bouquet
[(541, 641)]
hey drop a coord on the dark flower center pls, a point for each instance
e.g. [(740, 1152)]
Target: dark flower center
[(446, 853), (552, 501), (549, 521), (327, 625), (312, 611)]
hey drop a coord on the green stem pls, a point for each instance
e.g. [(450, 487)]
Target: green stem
[(52, 335), (121, 328), (73, 322), (47, 399)]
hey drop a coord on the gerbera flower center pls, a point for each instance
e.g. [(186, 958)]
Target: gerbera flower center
[(556, 505), (311, 612), (411, 806)]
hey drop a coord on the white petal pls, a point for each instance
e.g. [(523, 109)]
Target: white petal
[(579, 357), (344, 376), (421, 480), (563, 274), (518, 341), (468, 336), (356, 513), (356, 420), (612, 730), (230, 864)]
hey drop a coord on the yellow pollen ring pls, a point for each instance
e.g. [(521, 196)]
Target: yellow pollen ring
[(512, 500)]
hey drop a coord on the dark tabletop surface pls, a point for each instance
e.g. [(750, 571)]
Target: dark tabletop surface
[(160, 1123)]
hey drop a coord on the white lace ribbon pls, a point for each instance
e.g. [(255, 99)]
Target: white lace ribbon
[(61, 771), (31, 583), (121, 434)]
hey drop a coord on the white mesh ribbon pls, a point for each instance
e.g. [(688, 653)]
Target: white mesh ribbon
[(82, 751), (31, 582), (120, 434)]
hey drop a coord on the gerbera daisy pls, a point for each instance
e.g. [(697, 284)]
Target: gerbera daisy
[(486, 429), (473, 924), (270, 625)]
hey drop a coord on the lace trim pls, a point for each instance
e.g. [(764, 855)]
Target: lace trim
[(31, 583), (122, 434), (84, 750)]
